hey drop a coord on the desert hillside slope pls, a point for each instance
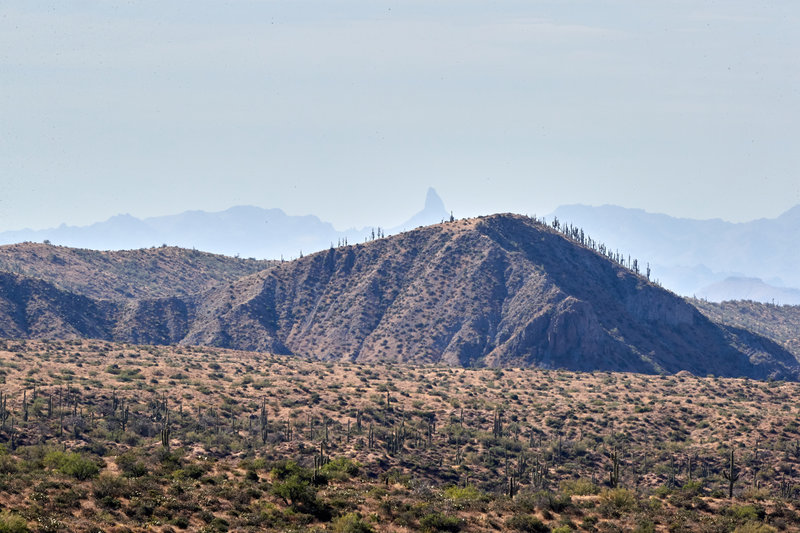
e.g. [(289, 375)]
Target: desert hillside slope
[(502, 290), (781, 323), (494, 291), (121, 275)]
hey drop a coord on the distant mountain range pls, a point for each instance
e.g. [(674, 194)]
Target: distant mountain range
[(696, 257), (244, 231), (710, 259), (736, 288), (502, 290)]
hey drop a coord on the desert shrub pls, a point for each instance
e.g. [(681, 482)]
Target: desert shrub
[(578, 487), (615, 501), (688, 496), (191, 470), (181, 522), (439, 522), (662, 491), (464, 494), (12, 523), (294, 490), (754, 513), (754, 527), (752, 493), (294, 484), (694, 488), (218, 524), (131, 464), (285, 469), (527, 523), (72, 464), (107, 485), (351, 523), (645, 526), (544, 500), (341, 469), (68, 499), (8, 465)]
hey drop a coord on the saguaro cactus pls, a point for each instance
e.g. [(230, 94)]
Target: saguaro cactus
[(613, 475), (732, 474), (165, 432)]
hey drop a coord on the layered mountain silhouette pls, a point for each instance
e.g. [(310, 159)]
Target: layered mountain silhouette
[(502, 290), (246, 231), (689, 255), (739, 288), (705, 258)]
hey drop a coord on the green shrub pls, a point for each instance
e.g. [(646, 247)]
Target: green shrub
[(286, 469), (754, 513), (191, 470), (645, 526), (181, 522), (462, 494), (80, 467), (544, 500), (12, 523), (108, 485), (578, 487), (351, 523), (8, 465), (755, 494), (340, 469), (294, 491), (72, 464), (218, 524), (131, 464), (754, 527), (439, 522), (527, 523), (614, 502)]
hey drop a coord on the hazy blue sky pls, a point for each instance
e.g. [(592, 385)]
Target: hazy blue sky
[(350, 110)]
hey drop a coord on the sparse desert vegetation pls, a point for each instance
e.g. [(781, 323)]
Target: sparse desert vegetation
[(780, 323), (100, 436)]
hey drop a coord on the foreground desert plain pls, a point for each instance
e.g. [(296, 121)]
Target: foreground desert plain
[(101, 436)]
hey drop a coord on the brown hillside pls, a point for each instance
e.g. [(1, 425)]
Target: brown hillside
[(116, 275), (502, 290), (781, 323), (499, 290), (33, 308)]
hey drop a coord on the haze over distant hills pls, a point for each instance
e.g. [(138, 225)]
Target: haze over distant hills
[(246, 231), (712, 259), (698, 256), (749, 289)]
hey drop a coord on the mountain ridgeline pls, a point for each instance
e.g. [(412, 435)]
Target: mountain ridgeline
[(503, 290), (243, 230)]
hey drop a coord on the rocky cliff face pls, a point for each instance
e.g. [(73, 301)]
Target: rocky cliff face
[(495, 291)]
